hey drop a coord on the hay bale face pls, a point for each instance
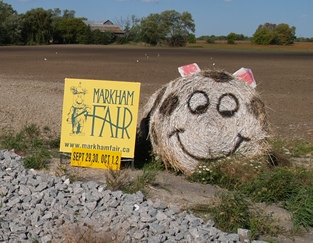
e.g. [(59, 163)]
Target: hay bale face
[(205, 116)]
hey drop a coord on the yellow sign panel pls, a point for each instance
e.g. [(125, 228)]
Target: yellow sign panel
[(96, 159), (100, 115)]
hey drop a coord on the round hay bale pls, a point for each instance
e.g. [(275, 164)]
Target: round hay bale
[(205, 116)]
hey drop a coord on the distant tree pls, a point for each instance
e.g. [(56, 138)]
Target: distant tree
[(37, 27), (102, 38), (152, 29), (210, 39), (192, 38), (272, 34), (131, 27), (72, 30), (284, 35), (96, 37), (263, 36), (169, 26), (231, 37), (13, 26), (177, 27), (56, 12), (57, 15), (6, 16), (304, 39), (68, 14), (6, 10), (88, 36)]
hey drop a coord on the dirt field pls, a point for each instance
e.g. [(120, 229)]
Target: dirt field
[(32, 80)]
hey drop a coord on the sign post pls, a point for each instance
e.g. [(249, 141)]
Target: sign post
[(99, 119)]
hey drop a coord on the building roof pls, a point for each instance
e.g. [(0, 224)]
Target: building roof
[(105, 26)]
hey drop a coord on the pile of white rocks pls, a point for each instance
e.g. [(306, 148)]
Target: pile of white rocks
[(39, 207)]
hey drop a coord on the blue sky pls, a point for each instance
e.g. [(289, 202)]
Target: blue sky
[(211, 17)]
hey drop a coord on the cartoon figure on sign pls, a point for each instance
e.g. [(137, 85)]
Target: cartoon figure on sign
[(79, 110)]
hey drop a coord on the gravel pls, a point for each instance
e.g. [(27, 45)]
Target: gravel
[(38, 207)]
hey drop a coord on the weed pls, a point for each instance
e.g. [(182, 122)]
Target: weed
[(272, 186), (120, 180), (148, 176), (301, 206), (278, 185), (32, 143), (232, 212), (270, 179), (117, 179), (37, 160), (292, 148), (235, 211), (230, 172)]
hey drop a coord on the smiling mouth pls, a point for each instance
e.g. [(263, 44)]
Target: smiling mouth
[(240, 139)]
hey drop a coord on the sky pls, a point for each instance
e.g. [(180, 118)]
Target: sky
[(211, 17)]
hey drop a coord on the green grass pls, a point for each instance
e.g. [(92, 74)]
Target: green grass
[(277, 178), (301, 206), (148, 177), (233, 211), (36, 145), (274, 179), (293, 148)]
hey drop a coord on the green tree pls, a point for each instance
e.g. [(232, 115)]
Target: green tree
[(13, 26), (177, 27), (231, 37), (6, 10), (152, 29), (37, 27), (6, 13), (284, 35), (102, 38), (68, 14), (131, 27), (263, 36), (192, 38), (88, 36), (72, 30), (272, 34), (169, 26), (57, 15)]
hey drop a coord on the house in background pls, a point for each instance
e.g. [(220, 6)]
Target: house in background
[(106, 26)]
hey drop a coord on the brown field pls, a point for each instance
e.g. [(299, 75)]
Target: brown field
[(297, 46), (32, 85), (32, 78)]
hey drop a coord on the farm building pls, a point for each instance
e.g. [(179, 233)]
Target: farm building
[(106, 26)]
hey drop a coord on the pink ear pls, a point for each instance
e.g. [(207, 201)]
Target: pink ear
[(188, 69), (246, 75)]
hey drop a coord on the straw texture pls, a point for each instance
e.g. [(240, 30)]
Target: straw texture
[(205, 116)]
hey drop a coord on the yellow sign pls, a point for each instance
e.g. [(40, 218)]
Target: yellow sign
[(100, 115), (96, 159)]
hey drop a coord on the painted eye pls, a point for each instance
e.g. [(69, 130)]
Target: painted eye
[(169, 105), (198, 102), (227, 105)]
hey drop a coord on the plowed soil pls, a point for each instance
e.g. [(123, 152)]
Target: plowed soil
[(32, 85)]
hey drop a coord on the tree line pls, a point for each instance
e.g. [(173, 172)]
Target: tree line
[(40, 26)]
